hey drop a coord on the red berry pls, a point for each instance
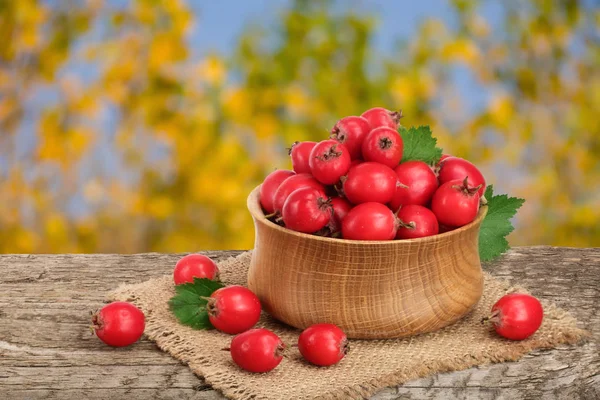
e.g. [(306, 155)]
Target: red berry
[(455, 203), (291, 184), (351, 131), (270, 186), (331, 191), (119, 324), (379, 116), (383, 145), (370, 221), (329, 160), (416, 222), (356, 162), (257, 350), (194, 266), (370, 182), (233, 309), (453, 168), (306, 210), (445, 228), (517, 316), (443, 157), (341, 208), (323, 344), (417, 185), (300, 154)]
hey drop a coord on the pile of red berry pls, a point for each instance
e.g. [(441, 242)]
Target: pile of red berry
[(354, 185)]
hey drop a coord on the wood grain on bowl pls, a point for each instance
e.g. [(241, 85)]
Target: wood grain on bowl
[(384, 289)]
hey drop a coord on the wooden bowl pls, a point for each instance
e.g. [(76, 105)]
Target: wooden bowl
[(370, 289)]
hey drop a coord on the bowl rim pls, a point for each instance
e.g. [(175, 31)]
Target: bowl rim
[(257, 213)]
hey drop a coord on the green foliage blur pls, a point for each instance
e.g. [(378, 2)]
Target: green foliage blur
[(189, 138)]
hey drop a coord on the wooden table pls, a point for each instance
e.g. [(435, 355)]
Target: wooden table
[(47, 350)]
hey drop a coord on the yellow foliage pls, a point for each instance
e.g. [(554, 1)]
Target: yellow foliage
[(122, 71), (160, 207), (237, 104), (585, 216), (63, 147), (461, 49), (29, 17), (21, 241), (402, 90), (145, 13), (479, 26), (212, 70), (296, 100), (7, 107), (180, 16), (165, 49), (501, 111), (157, 149), (265, 125), (408, 89), (56, 228)]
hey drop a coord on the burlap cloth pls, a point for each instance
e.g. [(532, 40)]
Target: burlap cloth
[(370, 365)]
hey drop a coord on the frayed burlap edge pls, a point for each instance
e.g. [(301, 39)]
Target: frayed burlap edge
[(173, 343)]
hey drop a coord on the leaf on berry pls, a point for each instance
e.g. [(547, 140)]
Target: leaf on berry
[(419, 145), (497, 225), (189, 303)]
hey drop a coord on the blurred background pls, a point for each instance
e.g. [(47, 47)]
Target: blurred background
[(142, 125)]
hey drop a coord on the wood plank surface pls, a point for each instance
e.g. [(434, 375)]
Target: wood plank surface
[(47, 350)]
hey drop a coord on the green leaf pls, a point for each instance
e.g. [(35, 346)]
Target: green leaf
[(496, 225), (419, 145), (189, 303)]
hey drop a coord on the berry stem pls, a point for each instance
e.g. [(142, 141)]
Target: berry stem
[(385, 143), (494, 317), (97, 322), (337, 134), (410, 225), (280, 351), (475, 189), (464, 187), (344, 346), (466, 182), (289, 149), (396, 115), (331, 153)]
